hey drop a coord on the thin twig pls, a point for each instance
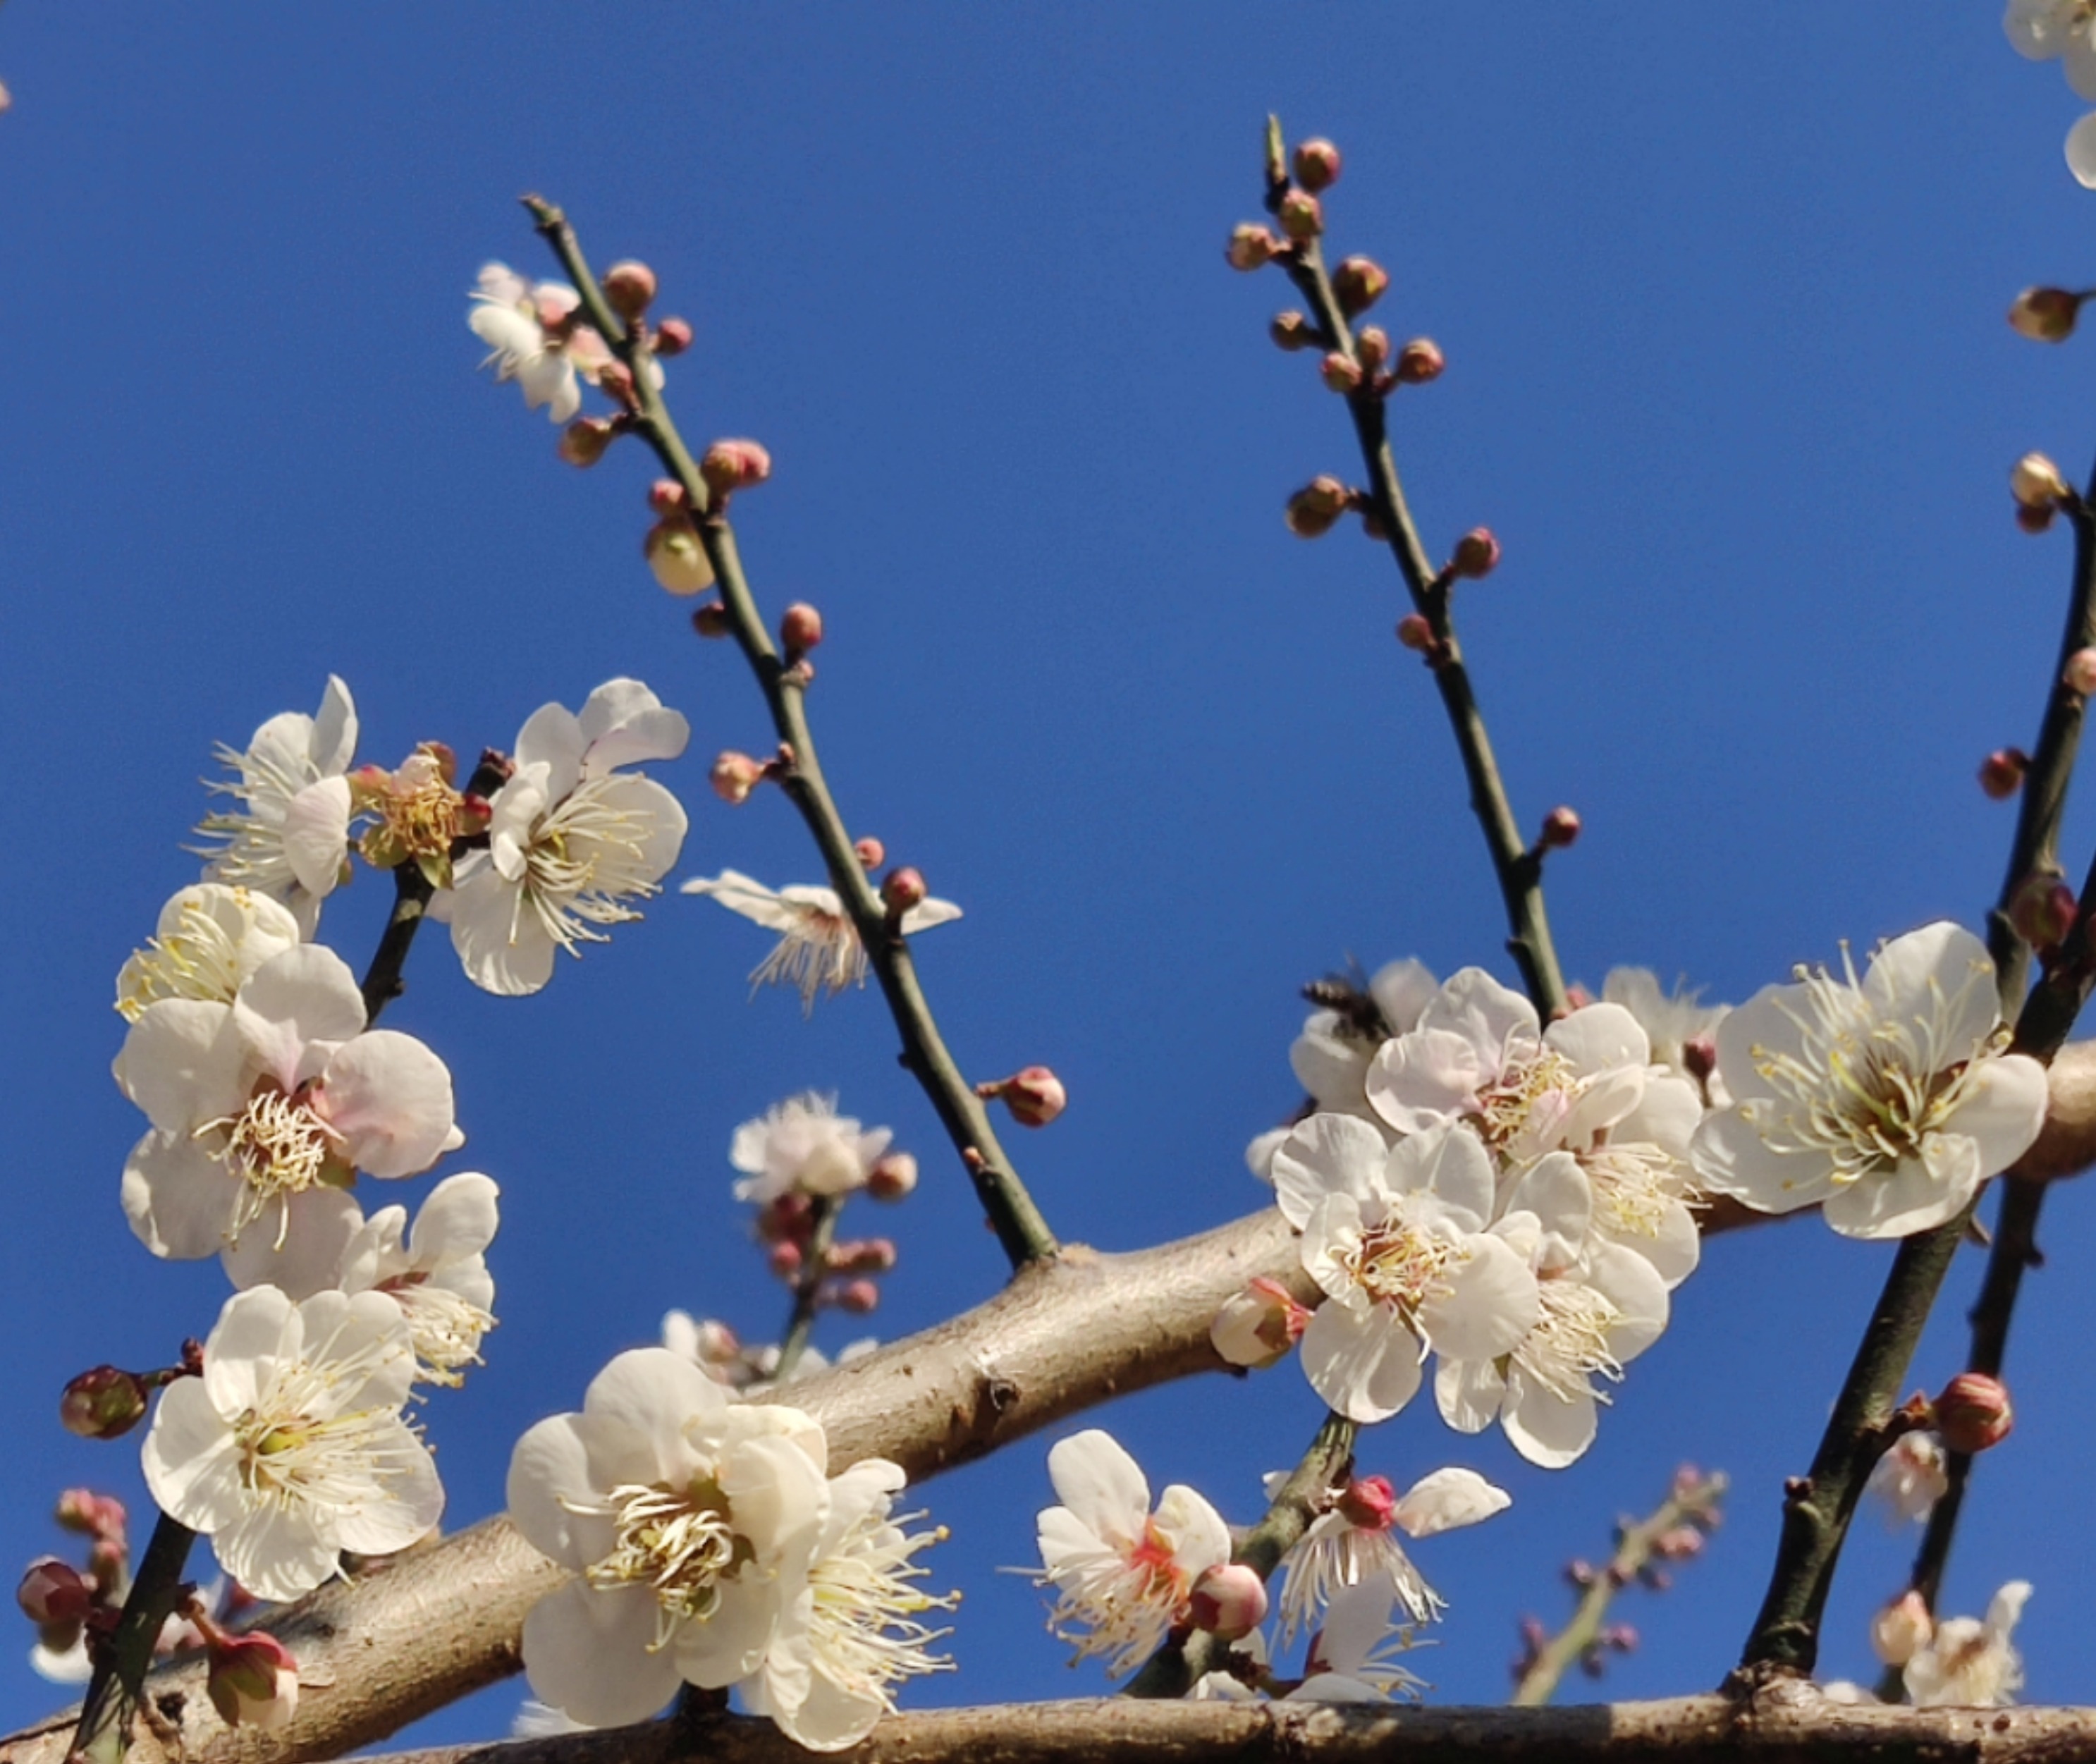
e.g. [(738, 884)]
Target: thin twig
[(808, 1285), (1019, 1227)]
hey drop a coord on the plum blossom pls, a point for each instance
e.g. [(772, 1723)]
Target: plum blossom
[(2063, 31), (258, 1105), (1398, 1237), (819, 947), (1350, 1544), (1679, 1026), (1885, 1101), (289, 839), (804, 1146), (690, 1522), (532, 338), (1347, 1661), (290, 1449), (209, 942), (851, 1631), (570, 840), (1909, 1478), (1123, 1575), (1971, 1662)]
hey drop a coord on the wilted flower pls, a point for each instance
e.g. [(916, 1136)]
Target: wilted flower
[(1971, 1662), (819, 947)]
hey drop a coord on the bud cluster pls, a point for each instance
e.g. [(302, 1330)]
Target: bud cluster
[(72, 1606)]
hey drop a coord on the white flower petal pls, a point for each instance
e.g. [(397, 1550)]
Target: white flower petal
[(390, 1098), (1545, 1429), (1446, 1501), (1364, 1364), (586, 1652), (1327, 1154), (1100, 1485)]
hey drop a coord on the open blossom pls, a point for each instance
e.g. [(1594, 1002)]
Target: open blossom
[(209, 942), (1674, 1023), (572, 838), (532, 338), (260, 1104), (1351, 1545), (819, 947), (851, 1632), (1123, 1575), (803, 1145), (690, 1522), (1910, 1478), (1398, 1237), (1886, 1101), (1348, 1660), (1971, 1662), (289, 839), (290, 1449), (2064, 31)]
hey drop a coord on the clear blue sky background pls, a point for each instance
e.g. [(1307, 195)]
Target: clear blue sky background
[(1722, 294)]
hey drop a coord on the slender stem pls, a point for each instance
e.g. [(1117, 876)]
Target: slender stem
[(1020, 1229), (382, 984), (807, 1285), (1178, 1665), (1693, 1501), (1518, 869)]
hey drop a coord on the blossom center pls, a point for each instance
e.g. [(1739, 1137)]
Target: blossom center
[(446, 1326), (1518, 1113), (864, 1628), (679, 1543), (278, 1145), (1570, 1342), (822, 951), (1399, 1264), (296, 1450), (585, 852)]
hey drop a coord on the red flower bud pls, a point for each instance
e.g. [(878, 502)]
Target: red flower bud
[(710, 620), (1419, 361), (105, 1403), (903, 889), (1359, 282), (871, 852), (53, 1593), (800, 628), (731, 466), (1560, 828), (1229, 1600), (1974, 1413), (1318, 164), (1477, 554), (1034, 1095), (1368, 1503), (672, 336), (2002, 772)]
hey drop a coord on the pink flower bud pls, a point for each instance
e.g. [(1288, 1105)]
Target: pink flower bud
[(666, 495), (2047, 315), (1340, 372), (735, 775), (1251, 247), (105, 1403), (1699, 1057), (1255, 1328), (731, 466), (1477, 554), (1359, 282), (800, 628), (892, 1177), (1373, 347), (1034, 1095), (97, 1516), (253, 1681), (629, 288), (2002, 772), (866, 1255), (710, 620), (1318, 164), (785, 1260), (1415, 631), (2043, 909), (2080, 672), (2034, 481), (672, 336), (1229, 1600), (1301, 216), (1292, 331), (903, 889), (871, 852), (1974, 1413), (858, 1297), (1314, 509), (786, 1220), (1419, 361), (615, 380), (1560, 828), (582, 442), (1902, 1629), (675, 555), (52, 1591), (1368, 1503)]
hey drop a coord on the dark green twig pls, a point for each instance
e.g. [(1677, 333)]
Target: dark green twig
[(808, 1285)]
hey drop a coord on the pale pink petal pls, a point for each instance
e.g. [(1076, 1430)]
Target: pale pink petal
[(586, 1652), (305, 996), (1446, 1501), (1328, 1154), (390, 1098), (1421, 1080), (183, 1064), (1364, 1364)]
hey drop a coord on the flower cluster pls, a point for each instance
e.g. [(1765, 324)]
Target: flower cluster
[(534, 339), (2061, 30)]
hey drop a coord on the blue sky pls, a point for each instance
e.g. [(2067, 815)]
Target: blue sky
[(1721, 296)]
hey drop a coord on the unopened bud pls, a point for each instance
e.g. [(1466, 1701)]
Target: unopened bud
[(892, 1177), (1372, 346), (731, 466), (52, 1591), (1228, 1601), (1974, 1413), (711, 620), (582, 442), (1340, 372), (1902, 1629), (672, 336), (1251, 247), (104, 1403), (666, 495), (1359, 282), (871, 852), (903, 889), (1314, 509), (1679, 1543), (735, 775), (787, 1220), (253, 1681), (1318, 164), (866, 1255), (2034, 481), (677, 557), (2035, 520), (1368, 1503), (629, 288), (1699, 1057), (2043, 909), (1255, 1328), (800, 628), (1034, 1095), (615, 380), (1560, 828), (1419, 361), (2047, 315), (1301, 216), (1292, 331), (2080, 672), (1477, 554), (857, 1296), (93, 1515), (785, 1260), (1415, 631), (2002, 772)]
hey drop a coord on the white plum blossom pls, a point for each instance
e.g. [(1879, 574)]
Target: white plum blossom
[(804, 1146), (290, 1449), (1350, 1544), (258, 1106), (1885, 1101), (1347, 1661), (819, 947), (1971, 1662), (209, 942), (1674, 1023), (532, 340), (289, 839), (571, 837), (851, 1631), (690, 1522), (1909, 1478), (2064, 31), (1398, 1237), (1124, 1576)]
